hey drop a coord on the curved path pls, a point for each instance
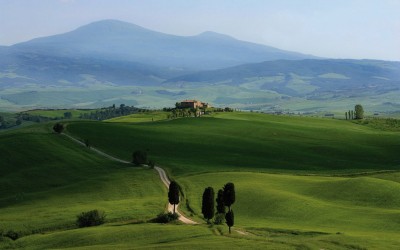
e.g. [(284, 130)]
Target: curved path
[(161, 172), (166, 181)]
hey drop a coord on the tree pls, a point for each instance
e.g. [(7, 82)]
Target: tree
[(58, 128), (345, 114), (352, 114), (220, 215), (207, 208), (139, 157), (230, 219), (220, 202), (173, 193), (359, 111), (229, 195), (67, 115)]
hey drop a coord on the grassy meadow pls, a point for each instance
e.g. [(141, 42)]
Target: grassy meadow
[(47, 180), (301, 183), (250, 141)]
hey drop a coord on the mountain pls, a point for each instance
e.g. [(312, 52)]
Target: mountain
[(118, 40), (110, 62)]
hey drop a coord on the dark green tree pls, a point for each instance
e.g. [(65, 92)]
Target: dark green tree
[(359, 112), (67, 115), (352, 114), (139, 157), (346, 115), (220, 215), (220, 202), (207, 206), (229, 195), (173, 193), (58, 128), (230, 219)]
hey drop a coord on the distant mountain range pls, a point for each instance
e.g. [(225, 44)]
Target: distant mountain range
[(112, 61)]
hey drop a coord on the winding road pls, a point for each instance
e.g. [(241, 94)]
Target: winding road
[(166, 181), (161, 172)]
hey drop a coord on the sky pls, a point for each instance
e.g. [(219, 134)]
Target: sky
[(357, 29)]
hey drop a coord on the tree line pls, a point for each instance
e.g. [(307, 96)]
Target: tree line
[(356, 114), (111, 112), (225, 198)]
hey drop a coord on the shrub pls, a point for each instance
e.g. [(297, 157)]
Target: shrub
[(166, 217), (58, 128), (12, 235), (151, 163), (219, 219), (90, 219)]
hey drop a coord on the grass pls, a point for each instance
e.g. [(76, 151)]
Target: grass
[(141, 117), (46, 180), (249, 141), (358, 207), (54, 113), (327, 204)]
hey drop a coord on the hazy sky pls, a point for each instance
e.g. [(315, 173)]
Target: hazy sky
[(327, 28)]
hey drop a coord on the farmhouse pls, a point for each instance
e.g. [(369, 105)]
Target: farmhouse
[(193, 104)]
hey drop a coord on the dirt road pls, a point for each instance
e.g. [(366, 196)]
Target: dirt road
[(166, 181)]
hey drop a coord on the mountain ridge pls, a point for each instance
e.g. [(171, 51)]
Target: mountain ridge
[(125, 41)]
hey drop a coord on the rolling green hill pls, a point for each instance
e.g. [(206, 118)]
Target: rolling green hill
[(281, 202), (46, 180), (249, 141)]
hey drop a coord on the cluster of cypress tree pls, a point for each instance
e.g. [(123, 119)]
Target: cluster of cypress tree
[(225, 198), (356, 114)]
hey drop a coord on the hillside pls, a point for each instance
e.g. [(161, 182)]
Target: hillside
[(306, 81), (56, 179), (243, 141), (46, 180)]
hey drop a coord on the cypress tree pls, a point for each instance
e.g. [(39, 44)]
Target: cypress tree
[(345, 114), (207, 208), (220, 202), (229, 195), (173, 194), (220, 215), (230, 219)]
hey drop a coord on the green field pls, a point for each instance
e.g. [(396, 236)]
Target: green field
[(46, 180), (141, 117), (302, 183), (56, 113), (249, 141)]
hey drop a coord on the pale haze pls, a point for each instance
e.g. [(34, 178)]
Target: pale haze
[(357, 29)]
